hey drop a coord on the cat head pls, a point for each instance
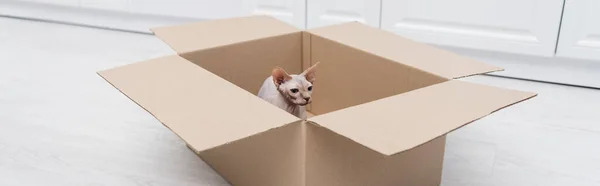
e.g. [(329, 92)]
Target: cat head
[(297, 89)]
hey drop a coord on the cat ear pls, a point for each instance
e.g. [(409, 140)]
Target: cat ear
[(309, 73), (280, 76)]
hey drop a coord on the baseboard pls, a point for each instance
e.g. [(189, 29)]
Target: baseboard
[(558, 70), (565, 71)]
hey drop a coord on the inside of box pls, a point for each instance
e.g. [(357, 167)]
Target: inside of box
[(345, 76)]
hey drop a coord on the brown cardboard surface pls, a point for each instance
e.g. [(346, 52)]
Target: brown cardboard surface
[(306, 50), (398, 123), (396, 48), (306, 59), (271, 158), (206, 34), (334, 160), (347, 76), (204, 110), (248, 64), (382, 104)]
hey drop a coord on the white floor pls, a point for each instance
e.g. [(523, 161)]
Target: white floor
[(61, 124)]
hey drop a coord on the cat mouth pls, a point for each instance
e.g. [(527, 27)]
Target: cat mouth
[(303, 104)]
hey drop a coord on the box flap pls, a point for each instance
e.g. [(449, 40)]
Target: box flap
[(203, 109), (214, 33), (398, 123), (402, 50)]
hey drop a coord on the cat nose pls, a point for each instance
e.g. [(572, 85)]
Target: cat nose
[(306, 99)]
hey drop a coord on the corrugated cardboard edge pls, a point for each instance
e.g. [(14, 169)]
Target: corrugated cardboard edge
[(316, 120)]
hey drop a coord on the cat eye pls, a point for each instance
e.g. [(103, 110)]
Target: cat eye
[(310, 88), (294, 90)]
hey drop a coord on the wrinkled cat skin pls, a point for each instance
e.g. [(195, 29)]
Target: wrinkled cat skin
[(289, 92)]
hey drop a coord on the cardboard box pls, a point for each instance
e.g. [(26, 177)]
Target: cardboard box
[(382, 103)]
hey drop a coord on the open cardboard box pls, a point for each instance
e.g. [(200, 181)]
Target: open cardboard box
[(382, 104)]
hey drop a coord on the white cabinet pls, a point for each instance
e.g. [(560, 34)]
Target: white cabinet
[(290, 11), (70, 3), (327, 12), (199, 9), (112, 5), (580, 30), (515, 26)]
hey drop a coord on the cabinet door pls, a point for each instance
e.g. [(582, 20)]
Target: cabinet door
[(580, 30), (290, 11), (199, 9), (327, 12), (516, 26), (112, 5), (70, 3)]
